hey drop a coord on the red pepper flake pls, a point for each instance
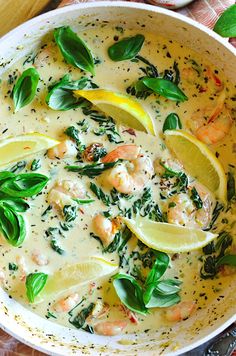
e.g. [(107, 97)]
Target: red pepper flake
[(202, 90), (81, 210), (130, 131), (131, 315), (27, 148)]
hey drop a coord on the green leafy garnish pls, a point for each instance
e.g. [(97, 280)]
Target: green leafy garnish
[(79, 320), (181, 183), (130, 292), (226, 24), (25, 88), (74, 49), (70, 213), (12, 266), (35, 165), (12, 225), (126, 48), (218, 256), (195, 197), (91, 170), (230, 186), (100, 194), (61, 96), (158, 269), (24, 185), (54, 245), (35, 282), (172, 122), (164, 88), (17, 168)]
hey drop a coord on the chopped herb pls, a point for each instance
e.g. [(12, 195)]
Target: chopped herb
[(230, 186), (18, 167), (91, 170), (70, 213), (35, 165), (73, 133), (79, 320), (12, 266), (100, 194), (195, 197), (54, 245)]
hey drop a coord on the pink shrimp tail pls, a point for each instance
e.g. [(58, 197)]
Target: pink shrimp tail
[(127, 152)]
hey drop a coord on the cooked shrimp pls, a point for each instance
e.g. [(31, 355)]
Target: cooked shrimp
[(63, 193), (39, 258), (217, 125), (110, 328), (181, 210), (22, 267), (127, 152), (104, 228), (181, 311), (132, 177), (66, 304), (64, 149)]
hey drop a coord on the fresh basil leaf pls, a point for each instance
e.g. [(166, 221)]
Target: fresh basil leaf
[(168, 286), (25, 88), (157, 271), (195, 197), (74, 49), (227, 260), (61, 96), (24, 185), (6, 175), (172, 122), (164, 88), (12, 226), (91, 170), (129, 292), (16, 204), (226, 24), (35, 282), (162, 301), (126, 48), (230, 186)]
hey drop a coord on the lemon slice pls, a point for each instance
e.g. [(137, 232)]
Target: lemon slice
[(77, 274), (198, 161), (168, 238), (120, 107), (13, 149)]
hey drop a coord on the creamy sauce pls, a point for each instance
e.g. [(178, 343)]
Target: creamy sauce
[(77, 242)]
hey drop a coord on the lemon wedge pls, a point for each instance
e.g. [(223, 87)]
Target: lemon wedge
[(74, 275), (120, 107), (198, 161), (13, 149), (168, 238)]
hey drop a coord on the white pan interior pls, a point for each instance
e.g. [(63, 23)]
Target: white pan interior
[(54, 339)]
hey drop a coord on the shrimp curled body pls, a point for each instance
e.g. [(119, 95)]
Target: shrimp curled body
[(132, 176)]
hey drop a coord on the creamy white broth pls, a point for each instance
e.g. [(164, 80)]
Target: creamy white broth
[(77, 242)]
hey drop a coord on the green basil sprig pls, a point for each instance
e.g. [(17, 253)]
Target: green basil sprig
[(74, 49), (157, 271), (165, 87), (130, 292), (12, 225), (25, 88), (61, 97), (17, 204), (126, 48), (35, 282), (172, 122), (24, 185), (226, 24)]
